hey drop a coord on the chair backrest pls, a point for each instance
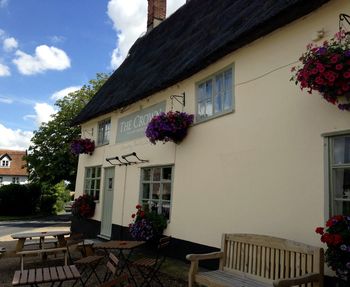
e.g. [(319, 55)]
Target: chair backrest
[(270, 257), (112, 264), (163, 243)]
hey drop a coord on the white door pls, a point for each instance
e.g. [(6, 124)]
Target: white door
[(107, 207)]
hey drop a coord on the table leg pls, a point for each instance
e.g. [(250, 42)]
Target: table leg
[(20, 244), (61, 241), (126, 264)]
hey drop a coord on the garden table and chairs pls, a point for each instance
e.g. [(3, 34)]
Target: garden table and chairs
[(124, 249)]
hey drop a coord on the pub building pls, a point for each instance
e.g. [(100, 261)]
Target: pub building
[(262, 156)]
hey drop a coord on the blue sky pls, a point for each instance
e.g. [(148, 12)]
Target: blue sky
[(51, 47)]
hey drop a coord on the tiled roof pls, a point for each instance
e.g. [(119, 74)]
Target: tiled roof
[(17, 166), (196, 35)]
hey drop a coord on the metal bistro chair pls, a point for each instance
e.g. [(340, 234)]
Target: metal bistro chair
[(112, 268), (149, 266), (84, 263)]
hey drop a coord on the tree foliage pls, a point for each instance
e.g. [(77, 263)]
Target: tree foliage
[(49, 158)]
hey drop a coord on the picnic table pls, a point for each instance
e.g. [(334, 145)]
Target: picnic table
[(34, 277), (22, 237)]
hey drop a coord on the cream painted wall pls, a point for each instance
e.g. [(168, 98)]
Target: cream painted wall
[(259, 169)]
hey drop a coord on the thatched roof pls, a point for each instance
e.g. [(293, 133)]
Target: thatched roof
[(196, 35)]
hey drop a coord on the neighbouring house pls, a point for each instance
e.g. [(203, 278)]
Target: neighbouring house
[(12, 167), (261, 157)]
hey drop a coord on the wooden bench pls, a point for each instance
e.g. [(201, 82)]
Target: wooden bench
[(33, 277), (43, 251), (257, 260)]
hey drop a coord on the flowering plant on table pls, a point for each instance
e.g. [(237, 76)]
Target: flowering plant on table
[(84, 206), (337, 237), (79, 146), (146, 225), (170, 126), (326, 69)]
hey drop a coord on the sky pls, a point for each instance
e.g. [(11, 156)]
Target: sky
[(49, 48)]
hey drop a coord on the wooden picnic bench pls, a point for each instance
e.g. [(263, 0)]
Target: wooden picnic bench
[(43, 251), (257, 261), (33, 277)]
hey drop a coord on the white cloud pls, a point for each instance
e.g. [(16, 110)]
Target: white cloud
[(2, 33), (43, 113), (4, 70), (3, 3), (129, 20), (5, 100), (10, 44), (45, 58), (57, 39), (14, 139), (64, 92)]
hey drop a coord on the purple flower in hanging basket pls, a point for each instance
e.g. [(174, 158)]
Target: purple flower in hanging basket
[(79, 146), (170, 126)]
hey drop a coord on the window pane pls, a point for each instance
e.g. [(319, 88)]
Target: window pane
[(155, 190), (93, 173), (167, 173), (201, 109), (145, 190), (228, 90), (92, 185), (156, 174), (146, 174), (201, 92), (98, 172), (208, 90), (209, 108), (97, 195), (166, 191), (88, 172), (166, 210), (98, 184), (341, 191), (341, 150)]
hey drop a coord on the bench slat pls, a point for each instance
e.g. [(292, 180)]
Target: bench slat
[(39, 275), (68, 273), (46, 275), (60, 272), (53, 273), (31, 276), (16, 278), (75, 272), (24, 276)]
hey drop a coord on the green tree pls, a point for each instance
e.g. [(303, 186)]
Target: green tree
[(49, 159)]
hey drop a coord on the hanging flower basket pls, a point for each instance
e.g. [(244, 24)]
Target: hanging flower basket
[(170, 126), (326, 69), (84, 206), (337, 237), (79, 146)]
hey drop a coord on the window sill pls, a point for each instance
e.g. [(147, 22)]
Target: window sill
[(204, 120), (102, 144)]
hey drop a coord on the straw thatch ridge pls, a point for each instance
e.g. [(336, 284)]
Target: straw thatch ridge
[(196, 35)]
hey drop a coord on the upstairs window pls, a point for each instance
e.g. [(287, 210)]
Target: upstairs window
[(15, 180), (5, 163), (339, 171), (215, 95), (104, 128)]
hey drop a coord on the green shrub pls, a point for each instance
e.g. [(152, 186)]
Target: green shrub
[(16, 199)]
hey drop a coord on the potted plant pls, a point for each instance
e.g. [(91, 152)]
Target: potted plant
[(80, 145), (170, 126), (147, 225), (336, 235), (326, 69), (84, 206)]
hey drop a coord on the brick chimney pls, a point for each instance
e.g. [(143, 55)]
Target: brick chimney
[(156, 13)]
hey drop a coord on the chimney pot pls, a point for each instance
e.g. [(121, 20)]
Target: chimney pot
[(156, 13)]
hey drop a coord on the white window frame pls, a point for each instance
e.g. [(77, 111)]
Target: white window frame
[(212, 79), (103, 132), (5, 163), (95, 188), (160, 201), (332, 167)]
